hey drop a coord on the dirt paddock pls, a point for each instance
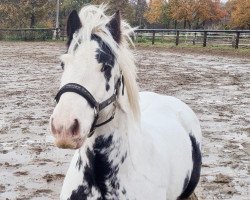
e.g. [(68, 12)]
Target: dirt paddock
[(216, 87)]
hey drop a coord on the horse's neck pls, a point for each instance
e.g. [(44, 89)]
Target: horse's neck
[(103, 165), (103, 160)]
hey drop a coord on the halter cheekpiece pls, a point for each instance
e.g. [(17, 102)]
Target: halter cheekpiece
[(82, 91)]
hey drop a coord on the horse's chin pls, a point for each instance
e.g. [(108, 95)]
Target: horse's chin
[(69, 143)]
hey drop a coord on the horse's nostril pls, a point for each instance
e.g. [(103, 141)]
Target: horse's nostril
[(75, 127)]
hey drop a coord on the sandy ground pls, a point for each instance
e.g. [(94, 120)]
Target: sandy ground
[(216, 87)]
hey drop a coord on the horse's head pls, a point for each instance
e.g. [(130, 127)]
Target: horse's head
[(91, 75)]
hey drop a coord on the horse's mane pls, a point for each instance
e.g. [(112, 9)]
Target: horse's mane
[(94, 21)]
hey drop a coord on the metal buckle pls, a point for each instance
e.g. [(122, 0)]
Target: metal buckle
[(91, 133)]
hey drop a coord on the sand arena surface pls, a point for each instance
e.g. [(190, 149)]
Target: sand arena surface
[(217, 88)]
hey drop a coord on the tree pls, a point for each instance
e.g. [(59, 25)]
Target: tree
[(155, 11), (239, 12), (165, 19), (139, 7), (199, 11), (123, 6), (67, 6), (35, 11), (26, 13), (182, 10), (208, 10), (7, 12)]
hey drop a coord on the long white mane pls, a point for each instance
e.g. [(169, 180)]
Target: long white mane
[(94, 21)]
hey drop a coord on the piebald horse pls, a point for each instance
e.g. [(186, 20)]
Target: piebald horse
[(129, 145)]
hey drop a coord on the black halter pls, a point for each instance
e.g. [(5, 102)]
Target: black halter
[(82, 91)]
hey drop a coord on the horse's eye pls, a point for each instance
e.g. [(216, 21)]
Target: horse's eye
[(62, 65)]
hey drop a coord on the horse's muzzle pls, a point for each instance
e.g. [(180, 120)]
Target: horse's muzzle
[(68, 142)]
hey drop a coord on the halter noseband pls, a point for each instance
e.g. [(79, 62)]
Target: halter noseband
[(82, 91)]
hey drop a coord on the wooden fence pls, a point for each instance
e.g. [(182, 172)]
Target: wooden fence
[(177, 34), (29, 34), (235, 38)]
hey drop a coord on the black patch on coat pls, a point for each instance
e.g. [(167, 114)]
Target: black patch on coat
[(124, 191), (106, 57), (73, 24), (103, 168), (81, 193), (98, 170), (79, 162), (186, 181), (124, 157), (190, 185)]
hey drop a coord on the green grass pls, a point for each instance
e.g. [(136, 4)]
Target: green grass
[(198, 48), (27, 36), (169, 45)]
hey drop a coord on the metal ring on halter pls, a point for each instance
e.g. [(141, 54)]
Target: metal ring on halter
[(95, 112)]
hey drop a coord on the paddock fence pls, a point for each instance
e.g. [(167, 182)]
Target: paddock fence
[(30, 34), (234, 38)]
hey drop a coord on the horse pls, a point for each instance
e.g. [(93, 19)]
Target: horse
[(129, 145)]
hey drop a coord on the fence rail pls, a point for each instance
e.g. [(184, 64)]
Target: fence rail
[(204, 37), (29, 34), (236, 35)]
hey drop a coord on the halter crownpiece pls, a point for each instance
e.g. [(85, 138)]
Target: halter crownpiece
[(82, 91)]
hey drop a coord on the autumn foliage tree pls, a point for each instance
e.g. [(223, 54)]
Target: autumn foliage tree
[(155, 11), (182, 10), (7, 14), (239, 12), (198, 11), (25, 13), (36, 11), (208, 10)]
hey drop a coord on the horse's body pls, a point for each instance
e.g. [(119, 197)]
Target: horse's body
[(153, 157)]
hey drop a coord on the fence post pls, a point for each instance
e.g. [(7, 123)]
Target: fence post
[(194, 39), (237, 40), (205, 39), (153, 38), (177, 38), (57, 33), (25, 35)]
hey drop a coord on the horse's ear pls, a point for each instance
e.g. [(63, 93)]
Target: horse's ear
[(73, 24), (115, 27)]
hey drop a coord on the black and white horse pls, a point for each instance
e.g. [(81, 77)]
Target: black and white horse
[(130, 145)]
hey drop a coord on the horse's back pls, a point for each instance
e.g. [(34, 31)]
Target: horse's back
[(175, 133), (156, 107)]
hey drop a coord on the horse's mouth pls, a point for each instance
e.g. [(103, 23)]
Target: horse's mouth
[(69, 143)]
